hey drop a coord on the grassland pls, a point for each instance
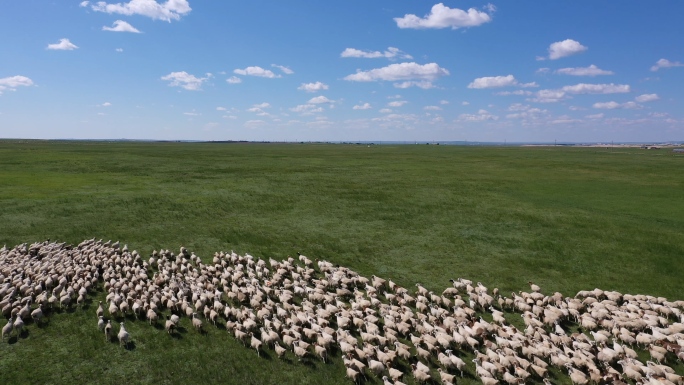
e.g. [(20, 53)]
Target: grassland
[(566, 218)]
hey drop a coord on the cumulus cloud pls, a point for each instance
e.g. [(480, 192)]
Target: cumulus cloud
[(256, 71), (565, 48), (63, 45), (424, 84), (313, 87), (584, 88), (184, 80), (443, 102), (385, 111), (400, 71), (364, 106), (120, 26), (493, 82), (167, 11), (390, 53), (119, 50), (552, 96), (285, 70), (615, 105), (397, 103), (516, 92), (11, 83), (307, 109), (432, 108), (106, 104), (234, 80), (595, 116), (592, 70), (84, 3), (320, 100), (441, 16), (481, 115), (647, 98), (664, 63)]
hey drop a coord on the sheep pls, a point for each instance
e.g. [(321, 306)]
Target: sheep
[(7, 329), (298, 351), (100, 323), (196, 322), (37, 314), (446, 377), (255, 343), (18, 325), (420, 375), (169, 325), (152, 316), (123, 336), (280, 351), (108, 331)]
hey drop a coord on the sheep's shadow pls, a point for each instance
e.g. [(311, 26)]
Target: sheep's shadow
[(130, 346)]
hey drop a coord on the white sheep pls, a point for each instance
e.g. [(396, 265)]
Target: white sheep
[(123, 336), (7, 329)]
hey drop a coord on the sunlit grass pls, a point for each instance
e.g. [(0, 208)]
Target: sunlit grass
[(568, 219)]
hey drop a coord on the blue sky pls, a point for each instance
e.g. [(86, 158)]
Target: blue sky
[(343, 70)]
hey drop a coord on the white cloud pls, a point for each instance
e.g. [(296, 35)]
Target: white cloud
[(184, 80), (11, 83), (121, 26), (397, 103), (442, 16), (432, 108), (584, 88), (516, 92), (234, 80), (262, 105), (493, 82), (285, 70), (364, 106), (465, 103), (552, 96), (306, 109), (84, 3), (106, 104), (167, 11), (254, 123), (221, 109), (481, 115), (542, 70), (119, 50), (615, 105), (595, 116), (565, 48), (424, 84), (191, 113), (548, 96), (592, 70), (647, 98), (256, 71), (400, 71), (63, 45), (443, 102), (391, 53), (385, 111), (664, 63), (313, 87), (319, 100)]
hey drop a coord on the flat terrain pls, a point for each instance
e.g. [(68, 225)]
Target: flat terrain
[(568, 219)]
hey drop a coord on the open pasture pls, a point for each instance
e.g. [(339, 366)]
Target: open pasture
[(567, 219)]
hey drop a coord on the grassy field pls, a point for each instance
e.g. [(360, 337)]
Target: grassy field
[(568, 219)]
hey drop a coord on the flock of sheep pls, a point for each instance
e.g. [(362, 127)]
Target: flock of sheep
[(381, 329)]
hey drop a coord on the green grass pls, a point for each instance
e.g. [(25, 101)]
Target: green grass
[(568, 219)]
